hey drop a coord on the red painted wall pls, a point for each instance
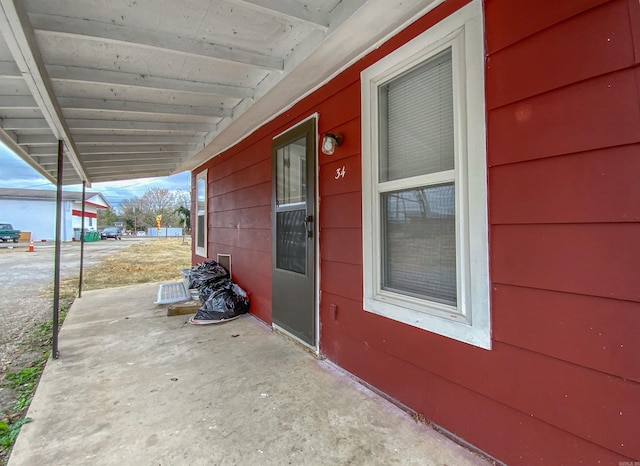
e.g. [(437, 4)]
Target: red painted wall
[(562, 382), (239, 217)]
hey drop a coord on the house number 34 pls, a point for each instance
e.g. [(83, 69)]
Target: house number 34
[(340, 172)]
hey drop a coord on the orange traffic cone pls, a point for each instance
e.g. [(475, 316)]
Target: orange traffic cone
[(31, 249)]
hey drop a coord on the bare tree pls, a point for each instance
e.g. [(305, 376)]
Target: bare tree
[(140, 213)]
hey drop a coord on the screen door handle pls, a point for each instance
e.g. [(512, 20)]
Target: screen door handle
[(308, 221)]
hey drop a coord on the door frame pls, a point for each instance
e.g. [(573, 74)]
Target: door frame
[(316, 238)]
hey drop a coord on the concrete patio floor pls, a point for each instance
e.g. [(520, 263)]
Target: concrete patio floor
[(135, 387)]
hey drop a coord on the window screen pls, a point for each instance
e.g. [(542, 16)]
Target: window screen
[(419, 250)]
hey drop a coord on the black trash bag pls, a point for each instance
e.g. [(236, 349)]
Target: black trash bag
[(207, 289), (224, 302), (239, 300), (205, 273)]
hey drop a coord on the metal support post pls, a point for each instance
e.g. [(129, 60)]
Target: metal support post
[(56, 275), (84, 194)]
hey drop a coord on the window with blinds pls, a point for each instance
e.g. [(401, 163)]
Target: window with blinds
[(424, 208), (416, 138)]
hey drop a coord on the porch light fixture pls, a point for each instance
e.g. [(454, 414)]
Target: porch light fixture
[(330, 141)]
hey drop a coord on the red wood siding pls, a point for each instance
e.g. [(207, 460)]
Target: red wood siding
[(509, 22), (563, 134), (239, 219), (561, 384)]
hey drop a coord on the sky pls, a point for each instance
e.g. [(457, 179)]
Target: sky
[(16, 173)]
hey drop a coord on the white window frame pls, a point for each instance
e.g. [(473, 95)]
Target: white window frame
[(201, 251), (469, 321)]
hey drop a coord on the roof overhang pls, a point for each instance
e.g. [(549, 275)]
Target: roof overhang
[(155, 87)]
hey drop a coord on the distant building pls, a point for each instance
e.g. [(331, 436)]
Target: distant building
[(34, 210)]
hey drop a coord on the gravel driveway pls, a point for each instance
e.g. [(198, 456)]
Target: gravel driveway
[(24, 281)]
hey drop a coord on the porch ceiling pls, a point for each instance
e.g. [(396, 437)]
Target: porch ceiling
[(144, 88)]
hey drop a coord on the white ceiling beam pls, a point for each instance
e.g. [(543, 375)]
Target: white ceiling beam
[(95, 158), (97, 139), (100, 140), (92, 166), (17, 101), (9, 69), (104, 32), (130, 132), (42, 151), (151, 157), (20, 38), (108, 125), (109, 166), (143, 170), (138, 149), (24, 123), (290, 10), (49, 151), (37, 140), (78, 103), (110, 78), (132, 176), (117, 167)]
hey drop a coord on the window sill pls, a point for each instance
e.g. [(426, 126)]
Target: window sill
[(433, 319)]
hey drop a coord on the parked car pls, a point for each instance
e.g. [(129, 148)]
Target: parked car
[(7, 233), (111, 232)]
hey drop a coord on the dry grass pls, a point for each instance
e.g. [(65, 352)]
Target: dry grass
[(146, 262)]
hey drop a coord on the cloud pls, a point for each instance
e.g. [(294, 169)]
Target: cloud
[(16, 173)]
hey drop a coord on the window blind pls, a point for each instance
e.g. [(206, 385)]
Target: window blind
[(416, 121)]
